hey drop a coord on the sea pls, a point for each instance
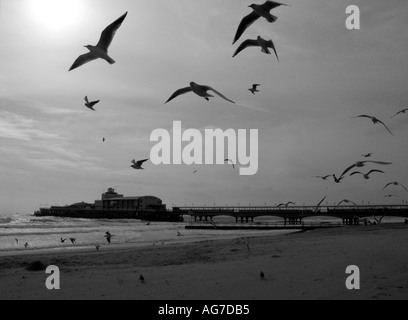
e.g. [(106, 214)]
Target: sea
[(24, 233)]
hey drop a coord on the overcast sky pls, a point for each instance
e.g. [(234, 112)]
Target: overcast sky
[(51, 149)]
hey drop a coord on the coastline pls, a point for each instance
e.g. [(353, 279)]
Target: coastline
[(307, 265)]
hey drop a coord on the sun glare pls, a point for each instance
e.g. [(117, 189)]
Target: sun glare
[(55, 14)]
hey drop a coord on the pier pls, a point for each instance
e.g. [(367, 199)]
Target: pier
[(350, 215)]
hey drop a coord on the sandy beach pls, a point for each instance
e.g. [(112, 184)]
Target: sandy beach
[(308, 265)]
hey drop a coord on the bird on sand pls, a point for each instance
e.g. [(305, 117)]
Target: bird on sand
[(200, 90), (142, 278), (63, 240), (230, 161), (101, 49), (395, 184), (361, 164), (26, 245), (254, 88), (137, 165), (400, 112), (258, 11), (73, 240), (346, 201), (91, 104), (375, 121), (258, 42), (366, 175), (179, 234), (262, 275)]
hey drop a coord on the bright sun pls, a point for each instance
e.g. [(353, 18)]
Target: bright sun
[(55, 14)]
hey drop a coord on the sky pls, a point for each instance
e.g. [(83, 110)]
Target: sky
[(51, 149)]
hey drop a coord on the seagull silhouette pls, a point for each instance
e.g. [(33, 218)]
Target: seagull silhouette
[(317, 209), (63, 240), (368, 155), (400, 112), (73, 240), (101, 49), (361, 164), (375, 121), (91, 105), (395, 184), (26, 245), (258, 11), (391, 196), (137, 165), (367, 175), (142, 278), (324, 177), (108, 237), (346, 201), (199, 90), (254, 88), (286, 204), (259, 42)]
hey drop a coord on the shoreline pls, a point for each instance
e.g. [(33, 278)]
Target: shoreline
[(305, 265)]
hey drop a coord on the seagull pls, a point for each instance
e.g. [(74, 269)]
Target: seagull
[(141, 278), (232, 162), (63, 240), (97, 247), (259, 42), (179, 234), (138, 165), (101, 49), (361, 164), (400, 112), (316, 210), (375, 121), (391, 196), (195, 171), (108, 237), (254, 88), (26, 245), (16, 241), (90, 105), (199, 90), (103, 140), (346, 201), (73, 240), (262, 275), (395, 184), (286, 204), (324, 177), (366, 176), (368, 155), (258, 11), (338, 180)]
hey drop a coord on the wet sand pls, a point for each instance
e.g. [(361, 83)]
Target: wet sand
[(309, 265)]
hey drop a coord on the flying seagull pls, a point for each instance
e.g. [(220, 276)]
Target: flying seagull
[(230, 161), (73, 240), (97, 247), (346, 201), (259, 42), (26, 245), (400, 112), (361, 164), (138, 165), (324, 177), (258, 11), (63, 240), (179, 234), (199, 90), (338, 180), (101, 49), (286, 204), (316, 210), (262, 275), (367, 175), (391, 196), (395, 184), (368, 155), (91, 105), (108, 237), (375, 121), (254, 88)]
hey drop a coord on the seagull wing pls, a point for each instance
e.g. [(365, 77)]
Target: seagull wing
[(85, 58), (245, 24), (388, 185), (255, 86), (246, 44), (86, 99), (109, 32), (348, 170), (140, 162), (385, 126), (373, 171), (354, 173), (320, 203), (269, 5), (218, 93), (179, 92), (403, 186), (272, 46)]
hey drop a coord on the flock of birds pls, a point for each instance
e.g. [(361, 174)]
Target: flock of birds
[(100, 51)]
